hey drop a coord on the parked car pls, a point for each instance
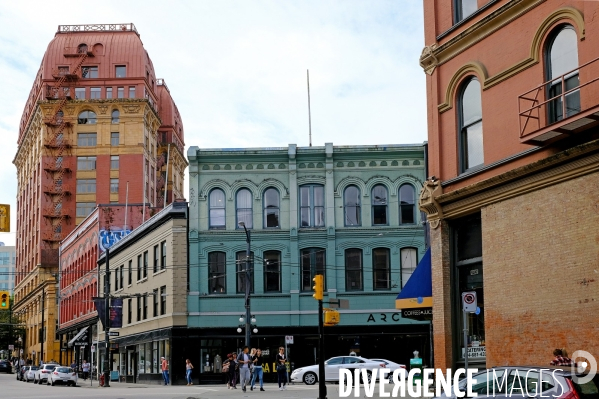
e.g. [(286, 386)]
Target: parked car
[(41, 374), (29, 374), (5, 366), (20, 372), (62, 375), (309, 375), (556, 383), (392, 366)]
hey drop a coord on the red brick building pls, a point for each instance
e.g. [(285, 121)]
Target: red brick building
[(97, 128), (79, 253), (512, 202)]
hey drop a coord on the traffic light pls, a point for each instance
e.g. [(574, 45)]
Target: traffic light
[(318, 287), (4, 300)]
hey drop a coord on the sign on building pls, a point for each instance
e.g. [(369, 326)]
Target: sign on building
[(476, 352), (110, 237), (4, 218)]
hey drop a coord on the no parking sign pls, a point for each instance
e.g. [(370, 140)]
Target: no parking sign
[(469, 301)]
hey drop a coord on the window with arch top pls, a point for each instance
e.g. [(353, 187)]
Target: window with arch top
[(217, 208), (470, 125), (561, 56), (407, 209), (87, 118), (271, 208), (380, 202), (244, 207), (115, 116), (352, 208)]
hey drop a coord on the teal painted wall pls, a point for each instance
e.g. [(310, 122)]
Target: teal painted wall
[(286, 169)]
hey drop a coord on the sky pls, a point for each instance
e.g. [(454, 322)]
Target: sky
[(237, 69)]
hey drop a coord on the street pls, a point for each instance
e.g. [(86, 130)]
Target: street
[(11, 388)]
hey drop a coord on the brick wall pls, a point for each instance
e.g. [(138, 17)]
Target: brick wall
[(542, 293)]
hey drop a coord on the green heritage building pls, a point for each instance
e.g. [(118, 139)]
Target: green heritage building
[(348, 212)]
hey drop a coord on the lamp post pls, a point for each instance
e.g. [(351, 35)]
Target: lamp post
[(247, 285)]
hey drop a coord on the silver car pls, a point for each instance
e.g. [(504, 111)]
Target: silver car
[(41, 374), (29, 374), (63, 375)]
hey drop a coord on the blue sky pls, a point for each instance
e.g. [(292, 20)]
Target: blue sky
[(237, 69)]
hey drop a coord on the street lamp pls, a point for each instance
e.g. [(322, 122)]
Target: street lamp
[(247, 285)]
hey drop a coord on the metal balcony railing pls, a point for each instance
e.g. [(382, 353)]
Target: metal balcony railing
[(56, 188), (126, 27), (560, 107)]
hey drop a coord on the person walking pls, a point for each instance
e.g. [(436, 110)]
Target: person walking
[(561, 359), (244, 367), (188, 368), (258, 373), (164, 368), (233, 370), (282, 368), (225, 369), (85, 369)]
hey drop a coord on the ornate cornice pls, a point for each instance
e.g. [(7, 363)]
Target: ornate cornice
[(427, 201)]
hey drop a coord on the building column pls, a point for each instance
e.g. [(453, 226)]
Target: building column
[(441, 279)]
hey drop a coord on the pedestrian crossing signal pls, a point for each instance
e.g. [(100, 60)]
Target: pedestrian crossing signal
[(318, 287), (4, 300)]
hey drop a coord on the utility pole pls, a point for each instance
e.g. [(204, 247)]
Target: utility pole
[(107, 322), (319, 296), (42, 335), (248, 312)]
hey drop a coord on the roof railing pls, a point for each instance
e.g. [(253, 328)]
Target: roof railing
[(124, 27)]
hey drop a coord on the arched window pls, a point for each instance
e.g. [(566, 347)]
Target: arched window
[(272, 271), (82, 48), (562, 59), (379, 205), (407, 211), (115, 116), (470, 125), (217, 273), (271, 208), (408, 264), (87, 118), (217, 209), (352, 207), (353, 270), (244, 207)]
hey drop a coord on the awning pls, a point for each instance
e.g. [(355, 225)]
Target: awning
[(417, 294), (80, 338)]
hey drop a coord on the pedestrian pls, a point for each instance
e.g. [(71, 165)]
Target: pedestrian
[(258, 371), (244, 367), (226, 365), (188, 368), (164, 368), (233, 370), (560, 359), (74, 366), (85, 369), (282, 368)]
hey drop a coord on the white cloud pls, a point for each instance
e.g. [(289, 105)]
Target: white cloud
[(237, 69)]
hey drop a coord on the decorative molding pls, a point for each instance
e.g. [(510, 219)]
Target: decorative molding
[(131, 109), (311, 180), (428, 60), (567, 13), (427, 201), (103, 109)]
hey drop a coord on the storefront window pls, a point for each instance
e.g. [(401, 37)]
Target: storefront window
[(155, 357), (468, 276), (149, 357), (141, 368)]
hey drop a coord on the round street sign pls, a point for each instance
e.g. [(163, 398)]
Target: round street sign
[(469, 301)]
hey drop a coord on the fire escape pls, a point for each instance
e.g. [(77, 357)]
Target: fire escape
[(57, 143)]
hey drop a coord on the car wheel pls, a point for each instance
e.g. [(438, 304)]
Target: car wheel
[(368, 376), (310, 378)]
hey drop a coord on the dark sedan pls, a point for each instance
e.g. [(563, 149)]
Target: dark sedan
[(5, 366)]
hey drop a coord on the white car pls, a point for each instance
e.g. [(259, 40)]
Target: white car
[(41, 374), (63, 375), (392, 366), (29, 374), (309, 374)]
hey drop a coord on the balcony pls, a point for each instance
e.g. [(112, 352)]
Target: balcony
[(58, 93), (78, 51), (53, 188), (51, 236), (560, 107), (122, 27), (53, 165)]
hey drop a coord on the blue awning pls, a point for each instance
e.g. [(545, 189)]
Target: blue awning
[(418, 291)]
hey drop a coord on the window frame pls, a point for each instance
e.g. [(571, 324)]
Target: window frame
[(238, 209), (215, 274), (86, 186), (266, 208), (90, 70), (163, 300), (358, 206), (458, 12), (80, 93), (115, 162), (109, 93), (373, 205), (155, 266), (114, 119), (314, 268), (120, 92), (413, 204), (240, 268), (375, 269), (87, 139), (266, 272), (462, 128), (87, 161), (359, 269), (88, 206), (212, 207), (311, 206), (115, 139), (402, 273), (155, 302), (114, 183), (87, 117), (131, 92), (145, 269), (163, 255), (139, 267), (95, 93), (116, 71), (130, 272)]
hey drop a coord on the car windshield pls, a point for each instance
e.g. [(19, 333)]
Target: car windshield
[(35, 368), (63, 370), (50, 367)]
